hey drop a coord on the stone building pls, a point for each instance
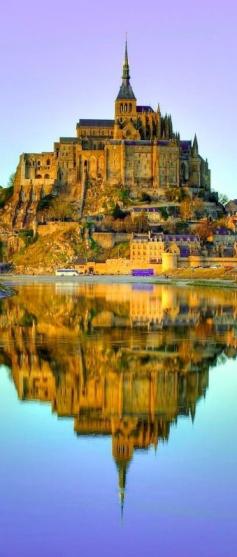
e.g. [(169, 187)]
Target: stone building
[(149, 247), (137, 152)]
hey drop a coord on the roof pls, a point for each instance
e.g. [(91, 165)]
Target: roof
[(163, 142), (95, 123), (144, 108), (231, 205), (186, 145), (68, 139), (222, 230), (126, 92)]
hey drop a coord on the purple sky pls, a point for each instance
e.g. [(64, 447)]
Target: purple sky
[(61, 61)]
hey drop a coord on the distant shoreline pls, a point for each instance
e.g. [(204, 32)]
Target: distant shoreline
[(114, 279)]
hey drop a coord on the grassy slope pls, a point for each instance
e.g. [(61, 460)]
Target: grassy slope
[(61, 249)]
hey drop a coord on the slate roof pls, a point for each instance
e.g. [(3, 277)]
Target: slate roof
[(186, 145), (231, 206), (84, 123), (68, 139), (125, 91), (144, 108)]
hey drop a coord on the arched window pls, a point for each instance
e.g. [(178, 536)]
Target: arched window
[(121, 108), (48, 162), (38, 176), (38, 163), (130, 107), (125, 107), (46, 176)]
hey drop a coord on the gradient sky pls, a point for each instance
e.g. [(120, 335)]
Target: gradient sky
[(60, 61)]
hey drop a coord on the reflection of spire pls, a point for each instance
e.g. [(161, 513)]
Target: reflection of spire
[(122, 467), (193, 411)]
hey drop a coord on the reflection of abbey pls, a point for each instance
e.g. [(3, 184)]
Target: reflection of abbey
[(108, 377), (137, 151)]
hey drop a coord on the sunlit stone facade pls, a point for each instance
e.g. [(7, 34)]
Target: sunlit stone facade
[(136, 152)]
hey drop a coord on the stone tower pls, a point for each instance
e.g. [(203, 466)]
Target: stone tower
[(126, 106)]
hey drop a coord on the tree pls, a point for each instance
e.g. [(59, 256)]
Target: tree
[(198, 207), (173, 194), (118, 225), (118, 213), (204, 230), (141, 223), (223, 199), (191, 208), (129, 225), (11, 180), (61, 209), (186, 209)]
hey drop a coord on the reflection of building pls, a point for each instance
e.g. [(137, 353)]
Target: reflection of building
[(118, 382)]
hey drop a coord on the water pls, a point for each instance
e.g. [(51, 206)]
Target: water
[(118, 421)]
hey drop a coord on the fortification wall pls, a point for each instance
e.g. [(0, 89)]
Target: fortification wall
[(51, 227), (199, 261), (109, 239)]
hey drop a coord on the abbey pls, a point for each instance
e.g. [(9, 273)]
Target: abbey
[(137, 152)]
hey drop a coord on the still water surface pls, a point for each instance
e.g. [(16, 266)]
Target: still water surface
[(118, 421)]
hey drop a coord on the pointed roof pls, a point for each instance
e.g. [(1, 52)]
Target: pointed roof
[(125, 91), (122, 466), (195, 145)]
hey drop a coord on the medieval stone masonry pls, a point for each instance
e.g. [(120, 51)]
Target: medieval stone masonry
[(137, 153)]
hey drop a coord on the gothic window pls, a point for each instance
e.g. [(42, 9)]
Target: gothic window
[(121, 108), (125, 107)]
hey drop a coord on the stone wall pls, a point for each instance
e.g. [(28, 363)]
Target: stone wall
[(110, 239), (51, 227), (199, 261)]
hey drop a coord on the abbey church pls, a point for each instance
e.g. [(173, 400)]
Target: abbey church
[(137, 151)]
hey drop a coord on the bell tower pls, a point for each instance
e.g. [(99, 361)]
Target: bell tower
[(126, 102)]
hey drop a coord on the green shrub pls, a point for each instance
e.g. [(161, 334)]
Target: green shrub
[(5, 195)]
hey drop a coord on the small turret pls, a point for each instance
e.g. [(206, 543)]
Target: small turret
[(195, 146)]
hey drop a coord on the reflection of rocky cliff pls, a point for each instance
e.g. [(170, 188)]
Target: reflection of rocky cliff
[(119, 361)]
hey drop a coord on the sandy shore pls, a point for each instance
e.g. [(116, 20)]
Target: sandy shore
[(15, 280)]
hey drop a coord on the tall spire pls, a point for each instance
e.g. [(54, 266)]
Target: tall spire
[(126, 72), (126, 91)]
